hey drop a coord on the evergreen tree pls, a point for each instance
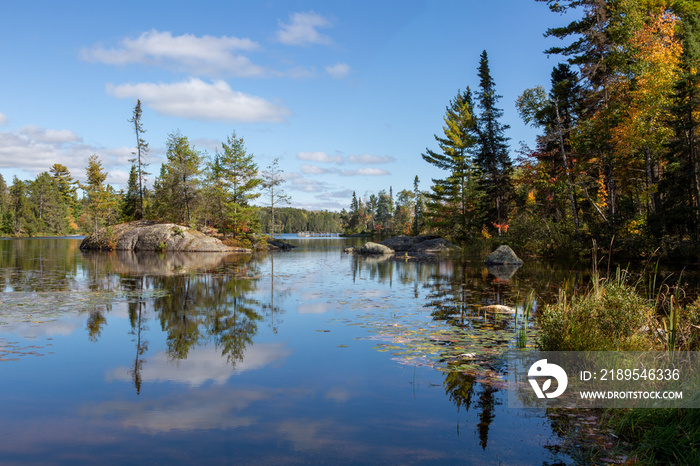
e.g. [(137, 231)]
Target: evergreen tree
[(22, 218), (452, 200), (68, 188), (418, 207), (384, 212), (48, 204), (130, 200), (239, 174), (96, 191), (556, 114), (5, 216), (492, 156), (139, 160), (272, 179), (680, 182), (178, 183)]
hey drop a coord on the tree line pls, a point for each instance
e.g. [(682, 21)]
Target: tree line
[(192, 188), (618, 155)]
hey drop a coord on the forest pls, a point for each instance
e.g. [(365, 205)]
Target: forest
[(191, 189), (617, 160)]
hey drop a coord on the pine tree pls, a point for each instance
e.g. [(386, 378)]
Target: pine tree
[(492, 156), (139, 160), (4, 207), (97, 195), (272, 179), (452, 200), (239, 174), (68, 188), (178, 183), (130, 199), (418, 207), (22, 218), (48, 204)]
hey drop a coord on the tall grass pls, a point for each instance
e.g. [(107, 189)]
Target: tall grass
[(609, 317), (614, 315), (521, 331)]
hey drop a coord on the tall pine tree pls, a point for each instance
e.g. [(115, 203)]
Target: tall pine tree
[(139, 161), (491, 156), (452, 200)]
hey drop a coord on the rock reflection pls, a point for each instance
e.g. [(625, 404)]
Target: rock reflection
[(503, 272)]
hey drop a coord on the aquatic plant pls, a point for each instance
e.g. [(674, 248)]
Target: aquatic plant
[(612, 316)]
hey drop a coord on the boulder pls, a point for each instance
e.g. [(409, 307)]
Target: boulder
[(504, 255), (146, 235), (433, 246), (277, 245), (403, 243), (371, 248), (419, 245)]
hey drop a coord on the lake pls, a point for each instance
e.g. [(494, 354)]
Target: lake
[(306, 356)]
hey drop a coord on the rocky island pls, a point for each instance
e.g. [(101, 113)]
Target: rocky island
[(147, 235)]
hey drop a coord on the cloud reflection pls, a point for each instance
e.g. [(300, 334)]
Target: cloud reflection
[(203, 364)]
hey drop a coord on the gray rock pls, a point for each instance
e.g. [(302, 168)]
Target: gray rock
[(278, 245), (420, 245), (146, 235), (371, 248), (504, 255), (433, 246), (404, 243)]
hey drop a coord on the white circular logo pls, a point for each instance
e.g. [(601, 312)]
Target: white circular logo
[(543, 369)]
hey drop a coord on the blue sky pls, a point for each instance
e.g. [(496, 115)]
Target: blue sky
[(346, 94)]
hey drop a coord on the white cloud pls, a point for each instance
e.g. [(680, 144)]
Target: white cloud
[(319, 157), (338, 71), (302, 30), (366, 172), (49, 136), (196, 99), (370, 159), (34, 149), (299, 183), (344, 194), (204, 55), (314, 170), (3, 119)]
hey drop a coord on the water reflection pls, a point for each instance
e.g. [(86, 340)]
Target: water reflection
[(204, 299), (185, 349)]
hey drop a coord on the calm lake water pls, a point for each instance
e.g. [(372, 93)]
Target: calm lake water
[(307, 356)]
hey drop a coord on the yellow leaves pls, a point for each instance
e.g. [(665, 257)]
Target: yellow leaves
[(645, 96), (602, 200), (485, 232), (531, 198)]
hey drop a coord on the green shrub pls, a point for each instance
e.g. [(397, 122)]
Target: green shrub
[(610, 317)]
